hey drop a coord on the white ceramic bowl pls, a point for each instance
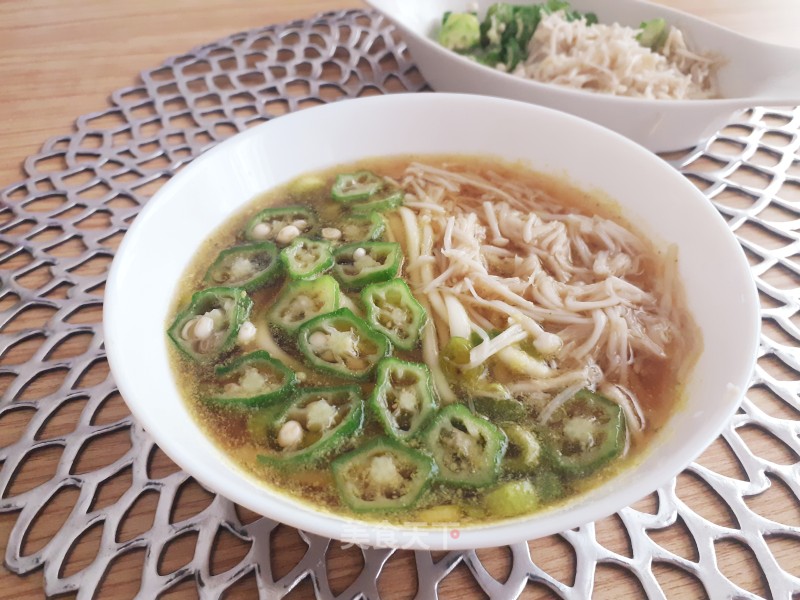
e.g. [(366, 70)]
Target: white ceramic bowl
[(164, 237), (753, 73)]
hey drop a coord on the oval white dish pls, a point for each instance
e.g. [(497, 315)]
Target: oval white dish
[(157, 249), (753, 73)]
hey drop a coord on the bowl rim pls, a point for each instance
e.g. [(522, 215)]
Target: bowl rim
[(301, 514)]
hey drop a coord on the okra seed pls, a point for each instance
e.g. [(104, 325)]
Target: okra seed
[(287, 234), (203, 328), (300, 224), (331, 233), (301, 376), (247, 333), (186, 332), (359, 253), (261, 231), (290, 434), (317, 339)]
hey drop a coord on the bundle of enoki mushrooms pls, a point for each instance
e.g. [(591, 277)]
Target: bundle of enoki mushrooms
[(487, 255), (610, 59)]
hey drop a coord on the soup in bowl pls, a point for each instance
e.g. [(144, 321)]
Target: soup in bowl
[(485, 316)]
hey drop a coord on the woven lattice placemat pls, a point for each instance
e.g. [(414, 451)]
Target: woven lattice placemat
[(706, 532)]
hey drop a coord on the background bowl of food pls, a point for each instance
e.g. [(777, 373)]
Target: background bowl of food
[(461, 321), (668, 85)]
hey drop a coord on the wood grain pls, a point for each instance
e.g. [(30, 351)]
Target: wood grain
[(59, 60)]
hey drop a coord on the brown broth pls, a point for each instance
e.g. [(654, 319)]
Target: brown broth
[(658, 383)]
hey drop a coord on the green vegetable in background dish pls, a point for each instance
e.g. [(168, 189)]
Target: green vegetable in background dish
[(504, 33), (460, 31), (654, 34), (507, 30)]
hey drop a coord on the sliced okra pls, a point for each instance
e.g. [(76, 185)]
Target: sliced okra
[(403, 397), (355, 187), (281, 224), (362, 228), (253, 380), (341, 344), (392, 309), (301, 301), (248, 267), (467, 448), (305, 258), (315, 423), (585, 433), (208, 326), (382, 475), (362, 263)]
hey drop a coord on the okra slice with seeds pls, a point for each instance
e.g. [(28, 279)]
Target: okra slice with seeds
[(382, 475), (253, 380), (403, 397), (362, 263), (281, 225), (248, 267), (467, 448), (384, 200), (316, 422), (208, 326), (585, 433), (301, 301), (341, 344), (305, 258), (392, 309), (362, 228), (355, 187)]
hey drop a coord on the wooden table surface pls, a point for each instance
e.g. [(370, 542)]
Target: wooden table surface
[(59, 60)]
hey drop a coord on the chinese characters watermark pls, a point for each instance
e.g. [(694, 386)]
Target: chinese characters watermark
[(404, 536)]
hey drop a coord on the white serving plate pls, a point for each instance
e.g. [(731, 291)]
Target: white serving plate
[(753, 74), (164, 237)]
